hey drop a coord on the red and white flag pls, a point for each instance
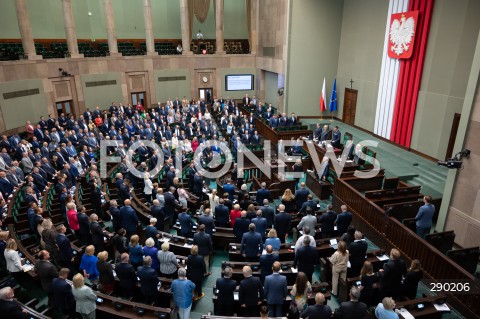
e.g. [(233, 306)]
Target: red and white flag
[(323, 107)]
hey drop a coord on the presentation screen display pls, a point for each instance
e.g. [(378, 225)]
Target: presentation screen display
[(239, 82)]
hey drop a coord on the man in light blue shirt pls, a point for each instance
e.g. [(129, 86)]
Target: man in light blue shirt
[(182, 290)]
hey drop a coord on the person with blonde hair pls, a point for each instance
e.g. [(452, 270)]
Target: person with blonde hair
[(369, 281), (49, 237), (411, 280), (88, 264), (168, 261), (147, 189), (105, 270), (135, 251), (288, 199), (196, 271), (214, 200), (385, 309), (150, 250), (85, 297), (391, 275), (273, 240), (72, 219), (339, 261), (14, 262)]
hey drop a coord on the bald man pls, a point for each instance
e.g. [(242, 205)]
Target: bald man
[(318, 310)]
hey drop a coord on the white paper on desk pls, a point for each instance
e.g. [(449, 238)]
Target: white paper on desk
[(383, 258), (349, 161), (235, 295), (187, 245), (349, 265), (165, 239), (442, 307), (318, 205), (334, 227), (264, 252), (27, 268), (294, 270), (233, 247), (405, 314), (280, 271)]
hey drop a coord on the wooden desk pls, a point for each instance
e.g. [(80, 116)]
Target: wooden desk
[(428, 312), (237, 273), (268, 133), (321, 189), (108, 310)]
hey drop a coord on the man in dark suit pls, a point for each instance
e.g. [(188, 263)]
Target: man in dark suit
[(98, 233), (306, 258), (225, 299), (250, 293), (275, 290), (170, 176), (391, 275), (336, 138), (148, 280), (260, 224), (301, 195), (268, 213), (357, 250), (6, 188), (262, 193), (124, 191), (343, 220), (63, 299), (116, 216), (65, 251), (328, 222), (207, 220), (319, 310), (47, 272), (204, 243), (222, 214), (282, 223), (252, 244), (129, 218), (186, 223), (170, 204), (198, 185), (8, 307), (126, 275), (157, 212), (266, 262), (326, 134), (352, 309), (241, 226), (310, 203)]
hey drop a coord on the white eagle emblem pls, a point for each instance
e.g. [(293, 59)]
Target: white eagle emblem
[(401, 34)]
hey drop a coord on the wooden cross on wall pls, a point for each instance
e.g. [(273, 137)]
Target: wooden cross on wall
[(351, 83)]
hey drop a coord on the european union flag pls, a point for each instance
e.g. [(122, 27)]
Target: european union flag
[(333, 98)]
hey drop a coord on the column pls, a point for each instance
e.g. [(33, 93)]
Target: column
[(70, 30), (254, 26), (111, 34), (147, 17), (186, 34), (25, 30), (219, 26)]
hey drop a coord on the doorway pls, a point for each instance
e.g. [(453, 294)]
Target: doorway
[(65, 107), (139, 97), (453, 135), (349, 106), (206, 93)]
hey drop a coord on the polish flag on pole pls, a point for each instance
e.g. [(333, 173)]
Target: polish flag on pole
[(323, 107)]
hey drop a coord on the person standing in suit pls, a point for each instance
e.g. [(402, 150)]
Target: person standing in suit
[(170, 204), (186, 223), (240, 225), (207, 220), (250, 293), (63, 299), (85, 297), (423, 219), (411, 280), (328, 222), (357, 252), (326, 134), (196, 271), (98, 234), (205, 246), (268, 213), (319, 310), (266, 262), (282, 223), (301, 196), (275, 290), (116, 216), (260, 224), (252, 244), (157, 212), (310, 203), (352, 309), (126, 275), (225, 299), (148, 280), (84, 226), (65, 250), (129, 218), (309, 221), (262, 193), (222, 214), (305, 258), (391, 275), (336, 138), (343, 220), (47, 271), (9, 306)]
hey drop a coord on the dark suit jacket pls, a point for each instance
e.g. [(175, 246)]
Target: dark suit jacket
[(126, 275), (357, 250), (129, 219), (261, 195), (328, 223), (309, 203), (301, 197), (226, 288), (282, 224), (186, 223), (222, 214), (240, 227), (343, 221), (204, 243), (305, 259), (169, 207), (159, 214), (148, 279), (47, 272), (391, 280), (208, 222), (62, 294), (252, 244), (250, 291), (351, 309), (269, 215), (65, 250), (275, 289), (97, 235), (13, 310), (196, 268), (116, 218), (266, 262), (5, 188)]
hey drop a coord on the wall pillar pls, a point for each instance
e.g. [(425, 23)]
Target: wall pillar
[(25, 30), (147, 17), (70, 29), (219, 36), (186, 33), (111, 33)]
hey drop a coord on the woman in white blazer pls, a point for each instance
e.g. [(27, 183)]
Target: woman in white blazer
[(148, 187), (14, 263), (85, 297)]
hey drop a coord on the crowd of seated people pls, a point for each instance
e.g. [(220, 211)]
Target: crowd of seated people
[(56, 154)]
